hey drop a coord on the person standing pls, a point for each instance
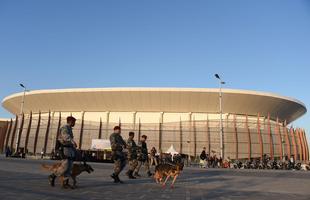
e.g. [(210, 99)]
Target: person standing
[(143, 157), (132, 155), (220, 162), (118, 156), (153, 157), (42, 153), (7, 152), (203, 158), (68, 153), (227, 162)]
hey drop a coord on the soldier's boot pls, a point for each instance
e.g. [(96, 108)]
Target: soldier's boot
[(118, 180), (132, 176), (129, 174), (136, 174), (114, 176), (149, 174), (65, 184), (51, 179)]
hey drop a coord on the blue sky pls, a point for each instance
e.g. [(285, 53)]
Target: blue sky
[(255, 45)]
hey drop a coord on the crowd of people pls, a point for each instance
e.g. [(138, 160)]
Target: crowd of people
[(213, 161), (210, 161)]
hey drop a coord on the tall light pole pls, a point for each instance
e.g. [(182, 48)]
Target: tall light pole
[(221, 83), (20, 116)]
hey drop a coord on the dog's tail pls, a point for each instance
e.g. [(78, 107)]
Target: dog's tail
[(46, 167)]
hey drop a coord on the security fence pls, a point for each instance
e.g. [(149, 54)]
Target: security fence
[(244, 138)]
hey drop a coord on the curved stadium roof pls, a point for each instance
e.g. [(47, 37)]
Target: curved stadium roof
[(157, 100)]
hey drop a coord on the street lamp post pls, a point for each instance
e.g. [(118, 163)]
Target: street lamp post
[(20, 116), (221, 83)]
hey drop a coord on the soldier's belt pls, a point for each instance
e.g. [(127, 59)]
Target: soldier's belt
[(68, 145)]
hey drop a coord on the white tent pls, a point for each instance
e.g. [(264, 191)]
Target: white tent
[(172, 150)]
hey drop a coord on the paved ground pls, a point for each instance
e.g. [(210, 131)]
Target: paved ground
[(23, 179)]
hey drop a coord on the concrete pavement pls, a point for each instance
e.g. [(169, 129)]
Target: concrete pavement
[(24, 179)]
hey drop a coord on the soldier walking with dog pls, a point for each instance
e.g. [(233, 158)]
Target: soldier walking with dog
[(143, 158), (68, 149), (118, 156), (132, 155)]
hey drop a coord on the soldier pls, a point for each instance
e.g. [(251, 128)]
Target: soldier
[(132, 155), (143, 157), (68, 146), (117, 146)]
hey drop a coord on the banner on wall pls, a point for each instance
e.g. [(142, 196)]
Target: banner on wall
[(100, 144)]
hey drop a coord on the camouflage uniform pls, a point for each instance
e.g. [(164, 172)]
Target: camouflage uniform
[(117, 144), (132, 154), (68, 153), (142, 159), (66, 139)]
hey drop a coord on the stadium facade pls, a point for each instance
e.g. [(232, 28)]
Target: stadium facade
[(254, 123)]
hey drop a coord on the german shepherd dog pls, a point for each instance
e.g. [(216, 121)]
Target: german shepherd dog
[(167, 170), (77, 169)]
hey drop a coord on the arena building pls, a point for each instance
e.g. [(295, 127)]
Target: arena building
[(254, 123)]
